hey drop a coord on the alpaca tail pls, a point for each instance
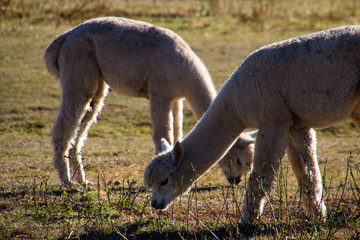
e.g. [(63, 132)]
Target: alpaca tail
[(51, 56)]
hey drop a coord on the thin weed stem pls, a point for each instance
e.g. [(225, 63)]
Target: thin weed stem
[(198, 220), (332, 228)]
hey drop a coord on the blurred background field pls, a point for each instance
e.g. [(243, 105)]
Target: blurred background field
[(33, 204)]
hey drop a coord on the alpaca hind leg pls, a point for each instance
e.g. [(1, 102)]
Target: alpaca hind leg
[(79, 81), (269, 150), (64, 131), (177, 111), (89, 118), (162, 121), (301, 153), (355, 116)]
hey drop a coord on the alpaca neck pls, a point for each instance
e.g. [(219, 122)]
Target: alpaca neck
[(210, 139), (200, 94)]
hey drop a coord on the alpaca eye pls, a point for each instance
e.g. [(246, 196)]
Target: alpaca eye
[(164, 182), (238, 161)]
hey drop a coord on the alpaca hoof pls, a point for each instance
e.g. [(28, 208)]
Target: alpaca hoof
[(245, 219), (88, 183), (84, 183), (73, 184), (68, 183)]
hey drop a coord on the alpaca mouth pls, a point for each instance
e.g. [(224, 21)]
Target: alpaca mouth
[(234, 180), (159, 204)]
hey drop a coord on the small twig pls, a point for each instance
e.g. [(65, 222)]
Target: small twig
[(98, 187), (121, 234), (268, 199), (237, 204), (71, 233), (146, 203), (198, 220), (272, 209), (208, 206), (330, 234)]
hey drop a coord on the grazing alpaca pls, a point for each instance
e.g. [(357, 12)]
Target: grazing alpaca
[(238, 161), (283, 89), (136, 59)]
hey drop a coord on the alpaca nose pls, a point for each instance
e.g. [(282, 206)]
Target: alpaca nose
[(158, 205), (234, 180)]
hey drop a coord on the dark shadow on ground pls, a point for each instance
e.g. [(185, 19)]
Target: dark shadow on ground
[(237, 232)]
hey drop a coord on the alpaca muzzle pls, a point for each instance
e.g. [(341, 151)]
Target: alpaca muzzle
[(158, 204), (234, 180)]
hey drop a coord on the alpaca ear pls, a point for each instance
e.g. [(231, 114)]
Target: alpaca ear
[(165, 146), (242, 143), (246, 139), (177, 155), (253, 134)]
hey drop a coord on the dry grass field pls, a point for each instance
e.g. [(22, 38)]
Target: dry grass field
[(34, 204)]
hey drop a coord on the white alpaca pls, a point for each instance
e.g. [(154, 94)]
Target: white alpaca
[(238, 160), (283, 89), (136, 59)]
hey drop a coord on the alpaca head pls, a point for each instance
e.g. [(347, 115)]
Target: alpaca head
[(161, 175), (238, 161)]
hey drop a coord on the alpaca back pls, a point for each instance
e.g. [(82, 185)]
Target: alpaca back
[(308, 75), (136, 59)]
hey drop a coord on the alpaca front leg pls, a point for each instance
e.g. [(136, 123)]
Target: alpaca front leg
[(177, 112), (301, 152), (161, 118), (269, 150)]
